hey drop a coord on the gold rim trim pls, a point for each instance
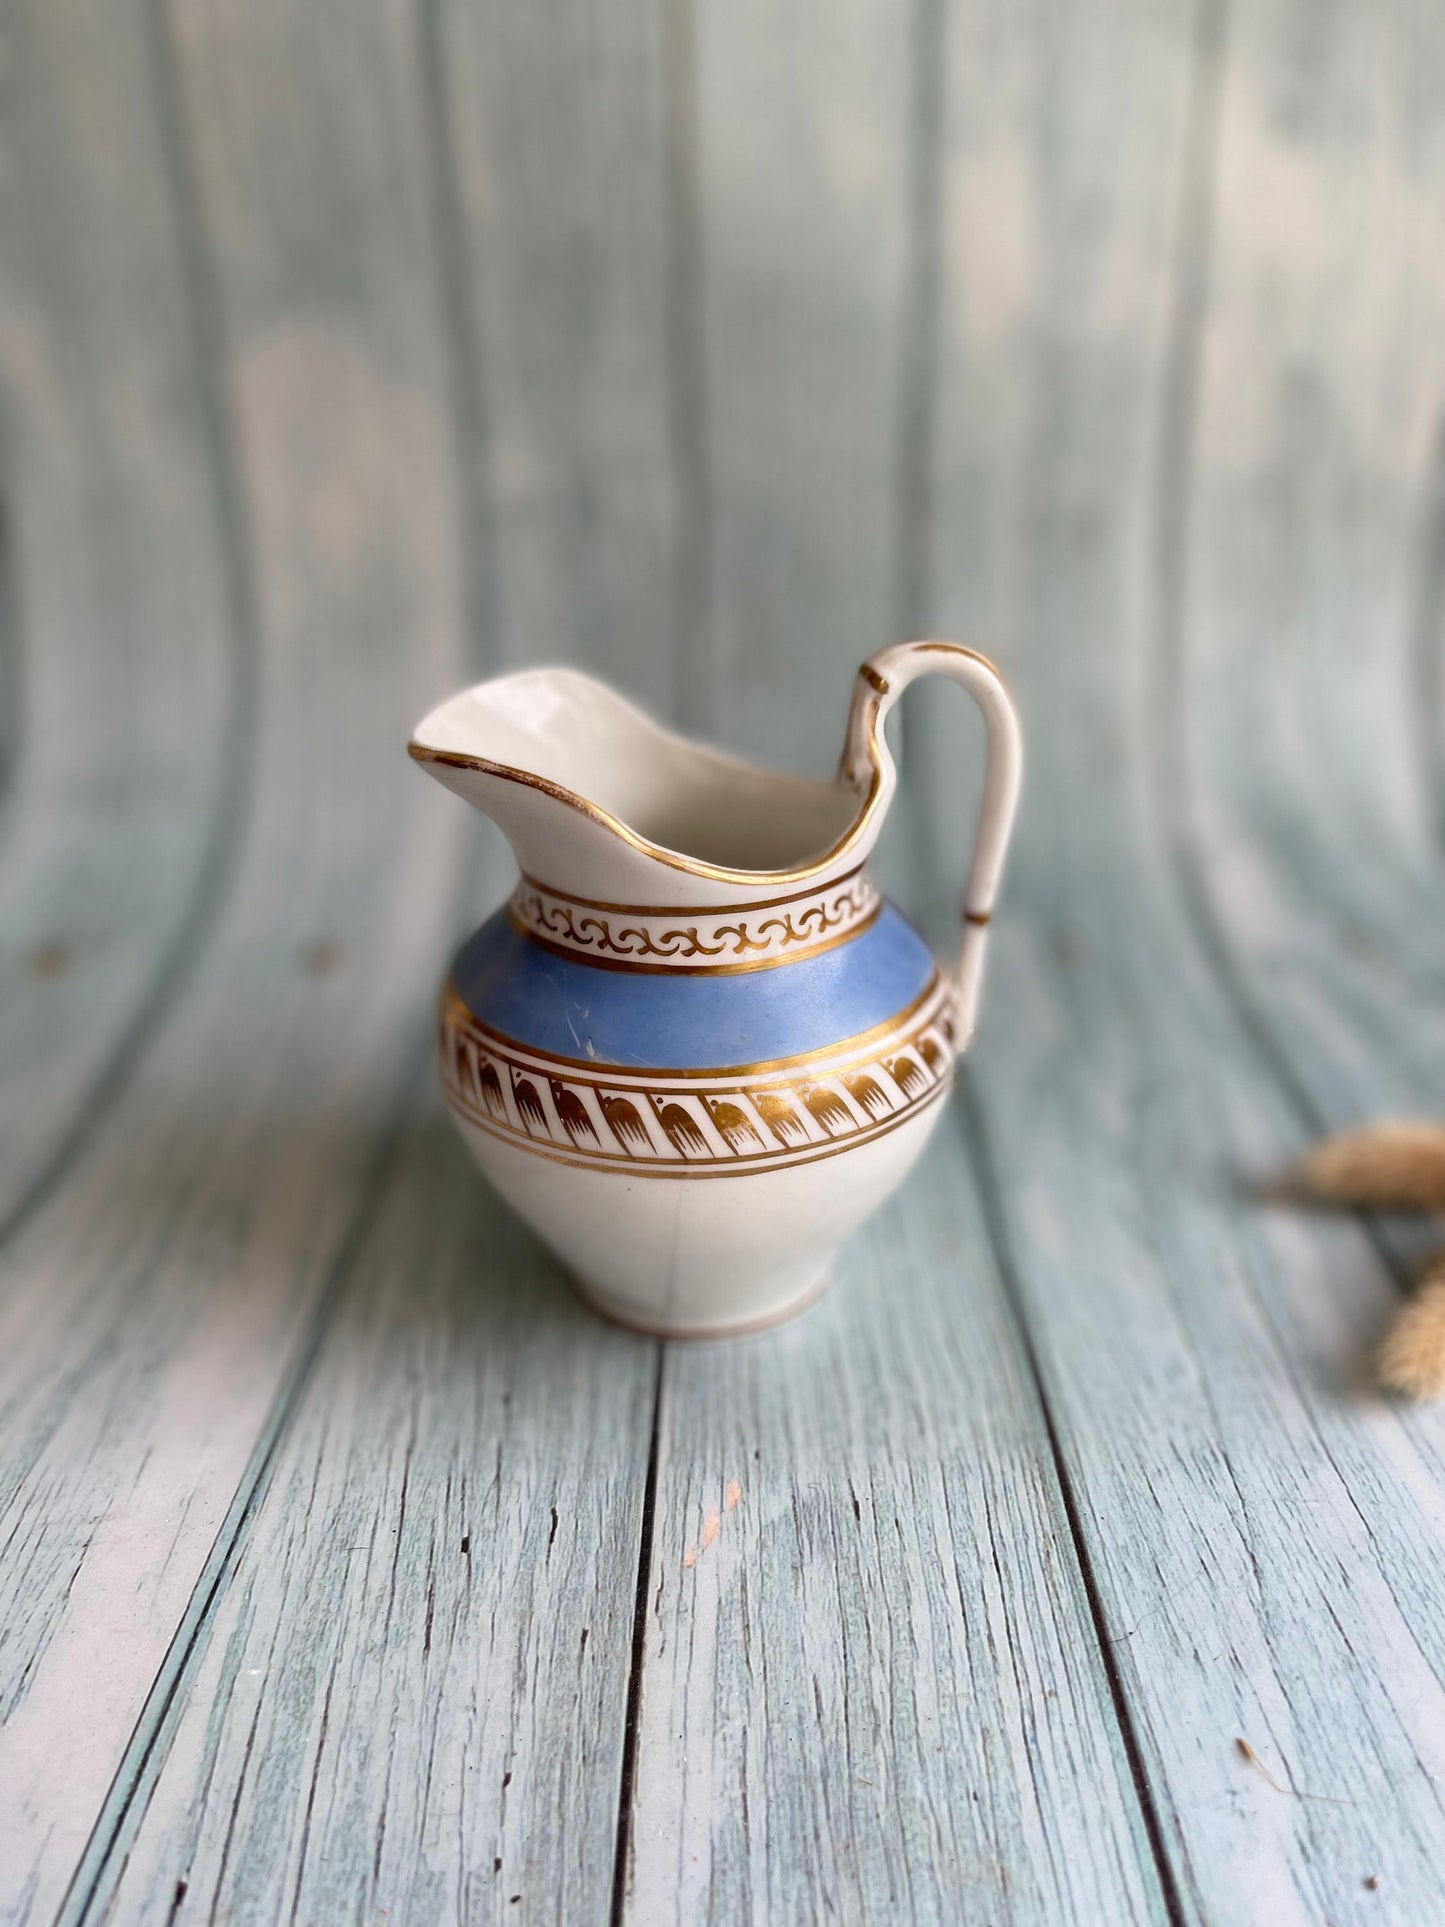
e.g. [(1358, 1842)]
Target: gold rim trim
[(747, 964), (605, 1072), (659, 853), (680, 1169)]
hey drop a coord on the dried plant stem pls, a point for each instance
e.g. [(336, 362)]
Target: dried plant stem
[(1411, 1359), (1395, 1165), (1247, 1752)]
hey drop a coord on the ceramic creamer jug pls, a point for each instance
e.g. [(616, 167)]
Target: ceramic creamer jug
[(696, 1048)]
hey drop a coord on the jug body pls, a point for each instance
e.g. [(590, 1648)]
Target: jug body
[(695, 1142), (694, 1091)]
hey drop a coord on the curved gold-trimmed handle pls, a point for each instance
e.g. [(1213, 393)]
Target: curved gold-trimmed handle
[(881, 681)]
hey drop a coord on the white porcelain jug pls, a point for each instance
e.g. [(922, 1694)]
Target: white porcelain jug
[(696, 1048)]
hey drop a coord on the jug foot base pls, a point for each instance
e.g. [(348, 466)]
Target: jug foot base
[(627, 1317)]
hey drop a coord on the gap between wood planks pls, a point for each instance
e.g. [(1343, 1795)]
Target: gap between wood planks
[(621, 1866), (986, 1177)]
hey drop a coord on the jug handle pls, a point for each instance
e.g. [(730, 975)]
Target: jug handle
[(881, 681)]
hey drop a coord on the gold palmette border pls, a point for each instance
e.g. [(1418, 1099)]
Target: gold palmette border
[(722, 1168), (766, 1116)]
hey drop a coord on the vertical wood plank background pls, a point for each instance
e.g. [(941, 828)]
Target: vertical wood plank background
[(349, 1569)]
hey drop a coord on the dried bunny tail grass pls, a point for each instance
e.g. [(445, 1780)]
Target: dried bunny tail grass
[(1412, 1357), (1398, 1165)]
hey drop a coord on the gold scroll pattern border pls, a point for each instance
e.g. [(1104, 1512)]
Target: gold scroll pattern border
[(659, 1127), (781, 931)]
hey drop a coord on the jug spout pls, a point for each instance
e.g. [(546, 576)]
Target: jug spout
[(599, 801)]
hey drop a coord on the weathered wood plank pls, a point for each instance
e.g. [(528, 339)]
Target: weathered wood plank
[(290, 1794), (408, 1703), (1266, 1547), (151, 1310), (871, 1686), (1308, 628), (1163, 1012), (125, 751), (802, 178), (555, 188)]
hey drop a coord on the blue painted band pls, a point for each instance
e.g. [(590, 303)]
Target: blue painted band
[(683, 1020)]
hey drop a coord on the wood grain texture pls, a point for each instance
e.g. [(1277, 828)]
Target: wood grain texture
[(871, 1688), (1309, 766), (802, 182), (348, 350), (870, 1683), (407, 1704), (1264, 1539), (151, 1309), (126, 749), (310, 1801), (554, 165)]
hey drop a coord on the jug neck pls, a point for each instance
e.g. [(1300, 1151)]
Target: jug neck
[(722, 937)]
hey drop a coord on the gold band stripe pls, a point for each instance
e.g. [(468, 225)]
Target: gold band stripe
[(693, 909), (674, 859), (455, 1011)]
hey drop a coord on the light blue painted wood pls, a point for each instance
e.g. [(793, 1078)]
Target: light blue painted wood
[(151, 1311), (870, 1683), (1315, 519), (1265, 1539), (406, 1704), (127, 750), (346, 414), (554, 180), (802, 184), (674, 344)]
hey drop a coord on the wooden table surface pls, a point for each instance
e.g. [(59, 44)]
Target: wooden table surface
[(351, 1571)]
